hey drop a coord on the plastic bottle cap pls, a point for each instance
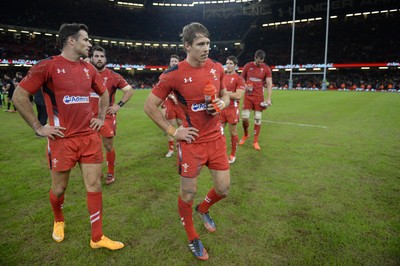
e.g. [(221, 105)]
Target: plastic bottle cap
[(209, 89)]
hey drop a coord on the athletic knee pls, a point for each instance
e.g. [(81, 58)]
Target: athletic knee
[(58, 191), (222, 189), (187, 195), (108, 147)]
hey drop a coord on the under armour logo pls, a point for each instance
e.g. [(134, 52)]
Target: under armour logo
[(187, 80), (55, 161), (185, 167), (60, 70), (212, 71)]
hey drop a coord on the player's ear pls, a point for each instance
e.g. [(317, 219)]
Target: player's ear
[(187, 46)]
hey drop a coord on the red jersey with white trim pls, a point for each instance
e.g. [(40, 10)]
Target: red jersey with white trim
[(256, 74), (112, 81), (188, 83), (66, 89), (232, 83)]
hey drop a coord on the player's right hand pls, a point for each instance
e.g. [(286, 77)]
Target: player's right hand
[(50, 132), (187, 134)]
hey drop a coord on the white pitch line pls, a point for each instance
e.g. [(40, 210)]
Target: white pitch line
[(294, 124)]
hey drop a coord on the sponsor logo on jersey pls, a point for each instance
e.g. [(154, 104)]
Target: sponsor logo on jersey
[(255, 79), (75, 99), (197, 107), (94, 95)]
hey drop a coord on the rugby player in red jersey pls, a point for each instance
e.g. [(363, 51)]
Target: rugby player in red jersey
[(173, 113), (256, 74), (112, 81), (235, 86), (200, 139), (72, 132)]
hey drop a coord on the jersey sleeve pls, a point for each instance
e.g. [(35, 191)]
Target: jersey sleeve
[(97, 84), (268, 72), (122, 83), (36, 77), (244, 72), (163, 87), (222, 78), (240, 83)]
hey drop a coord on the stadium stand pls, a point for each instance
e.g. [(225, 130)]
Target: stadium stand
[(356, 39)]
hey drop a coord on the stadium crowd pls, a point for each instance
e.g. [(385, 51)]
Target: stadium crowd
[(357, 39)]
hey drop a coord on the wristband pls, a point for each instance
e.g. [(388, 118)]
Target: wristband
[(121, 103), (171, 131)]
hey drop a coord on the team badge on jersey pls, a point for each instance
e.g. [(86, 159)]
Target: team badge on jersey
[(87, 73), (213, 71), (105, 81)]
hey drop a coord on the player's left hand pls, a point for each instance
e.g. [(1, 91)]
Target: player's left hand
[(113, 109), (217, 105), (96, 123)]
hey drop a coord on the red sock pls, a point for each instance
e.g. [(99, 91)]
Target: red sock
[(57, 205), (245, 124), (110, 161), (257, 129), (171, 145), (234, 141), (185, 211), (94, 203), (211, 198)]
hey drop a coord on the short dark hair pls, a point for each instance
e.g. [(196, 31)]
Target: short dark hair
[(259, 54), (233, 59), (97, 48), (175, 56), (70, 30), (190, 31)]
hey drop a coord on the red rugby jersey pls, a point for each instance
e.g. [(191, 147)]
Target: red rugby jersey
[(188, 82), (66, 89), (256, 74), (232, 83), (112, 81)]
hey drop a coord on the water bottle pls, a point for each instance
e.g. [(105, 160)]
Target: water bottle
[(209, 96)]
